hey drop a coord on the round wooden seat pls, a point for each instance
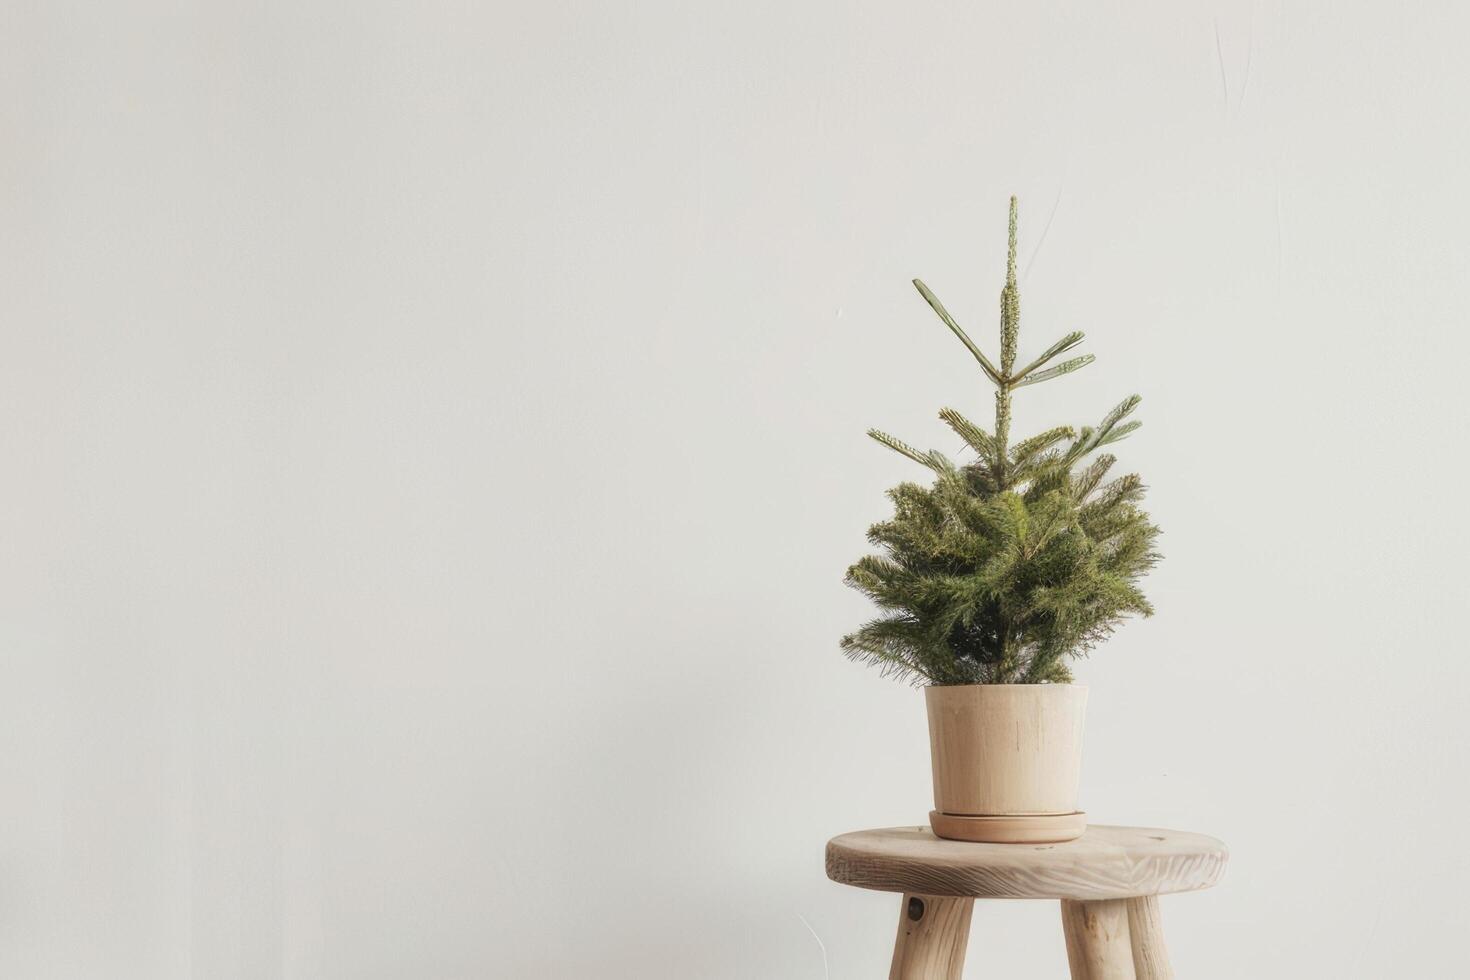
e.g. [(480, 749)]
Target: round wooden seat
[(1108, 882), (1105, 862)]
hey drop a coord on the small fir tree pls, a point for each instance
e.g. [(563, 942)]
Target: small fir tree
[(1007, 567)]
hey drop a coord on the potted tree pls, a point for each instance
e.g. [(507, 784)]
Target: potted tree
[(991, 579)]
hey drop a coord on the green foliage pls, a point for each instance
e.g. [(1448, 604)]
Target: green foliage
[(1008, 566)]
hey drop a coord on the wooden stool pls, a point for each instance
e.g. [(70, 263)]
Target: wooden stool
[(1108, 881)]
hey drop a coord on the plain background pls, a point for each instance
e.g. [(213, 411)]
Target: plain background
[(432, 441)]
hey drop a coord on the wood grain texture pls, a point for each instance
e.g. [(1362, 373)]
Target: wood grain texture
[(1104, 863), (1146, 931), (932, 934), (1097, 940)]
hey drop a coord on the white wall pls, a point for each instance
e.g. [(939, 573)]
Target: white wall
[(431, 440)]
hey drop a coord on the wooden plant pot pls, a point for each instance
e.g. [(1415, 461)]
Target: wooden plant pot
[(1007, 759)]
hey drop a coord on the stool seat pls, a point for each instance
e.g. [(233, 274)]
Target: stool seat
[(1105, 862), (1107, 881)]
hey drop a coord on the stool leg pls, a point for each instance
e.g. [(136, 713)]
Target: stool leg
[(1146, 929), (1097, 939), (932, 934)]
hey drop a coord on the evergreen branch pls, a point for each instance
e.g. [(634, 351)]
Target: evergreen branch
[(893, 658), (1120, 433), (899, 446), (1066, 367), (939, 463), (1058, 517), (1038, 466), (1049, 670), (938, 307), (1010, 303), (1088, 479), (1060, 347), (877, 576), (1027, 448), (900, 646), (1125, 489), (1118, 414), (975, 437), (1089, 439)]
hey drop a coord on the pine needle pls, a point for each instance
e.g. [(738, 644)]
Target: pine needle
[(933, 301)]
